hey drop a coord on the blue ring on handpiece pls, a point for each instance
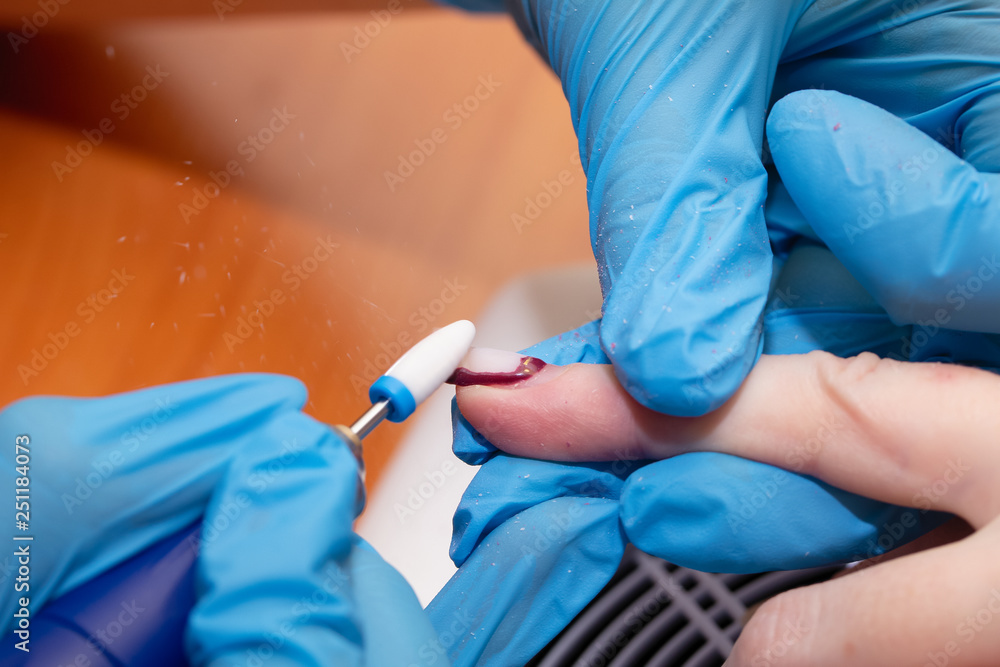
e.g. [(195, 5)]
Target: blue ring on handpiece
[(401, 401)]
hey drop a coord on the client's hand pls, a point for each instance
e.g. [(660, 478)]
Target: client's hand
[(921, 435)]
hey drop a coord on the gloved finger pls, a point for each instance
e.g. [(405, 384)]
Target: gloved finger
[(720, 513), (278, 530), (506, 486), (936, 65), (817, 305), (902, 200), (527, 580), (276, 577), (110, 476), (666, 99), (878, 424), (933, 607)]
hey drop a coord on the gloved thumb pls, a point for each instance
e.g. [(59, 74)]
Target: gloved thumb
[(916, 225)]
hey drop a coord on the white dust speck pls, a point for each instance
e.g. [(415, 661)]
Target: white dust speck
[(109, 51), (121, 240), (269, 259)]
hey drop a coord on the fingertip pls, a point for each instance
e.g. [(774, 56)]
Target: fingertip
[(566, 413)]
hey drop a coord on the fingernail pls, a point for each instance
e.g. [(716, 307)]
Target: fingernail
[(487, 366)]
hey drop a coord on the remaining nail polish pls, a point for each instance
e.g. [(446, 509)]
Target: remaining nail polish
[(483, 365)]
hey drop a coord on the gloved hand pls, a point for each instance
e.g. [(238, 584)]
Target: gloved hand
[(111, 476), (282, 578), (717, 512), (286, 580), (668, 100)]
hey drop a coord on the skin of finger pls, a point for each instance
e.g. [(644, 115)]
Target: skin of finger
[(954, 530), (541, 417), (942, 604), (909, 434)]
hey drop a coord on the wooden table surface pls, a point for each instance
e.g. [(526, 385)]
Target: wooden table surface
[(124, 266)]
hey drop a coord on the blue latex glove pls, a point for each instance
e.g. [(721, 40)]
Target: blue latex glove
[(111, 476), (668, 100), (282, 578), (917, 226), (708, 511), (716, 512), (535, 541)]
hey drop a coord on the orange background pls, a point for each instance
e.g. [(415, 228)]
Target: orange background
[(446, 230)]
